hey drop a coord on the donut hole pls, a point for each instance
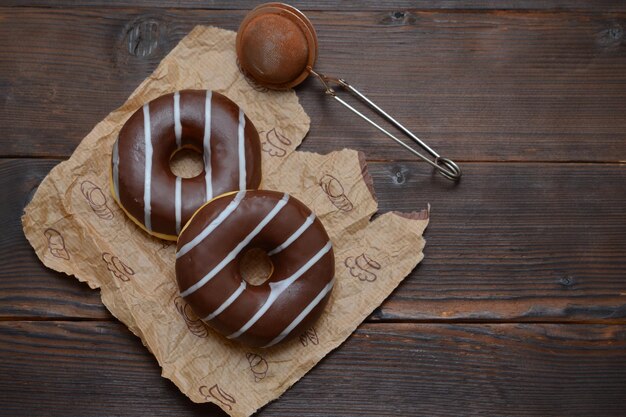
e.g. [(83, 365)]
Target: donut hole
[(255, 266), (187, 163)]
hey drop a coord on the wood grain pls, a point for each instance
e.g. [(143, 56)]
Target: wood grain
[(382, 370), (527, 242), (605, 5), (27, 287), (523, 242), (480, 86)]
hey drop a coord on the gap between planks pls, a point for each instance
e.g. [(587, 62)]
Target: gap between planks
[(382, 322), (308, 9), (62, 158)]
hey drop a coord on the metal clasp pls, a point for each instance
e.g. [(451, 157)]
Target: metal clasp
[(444, 166)]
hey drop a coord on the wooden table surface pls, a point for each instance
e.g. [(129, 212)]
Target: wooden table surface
[(519, 307)]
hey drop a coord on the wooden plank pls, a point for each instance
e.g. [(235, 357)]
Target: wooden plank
[(604, 5), (27, 288), (481, 86), (513, 242), (526, 242), (382, 370)]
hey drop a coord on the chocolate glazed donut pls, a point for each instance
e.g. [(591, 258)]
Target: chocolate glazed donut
[(212, 244), (141, 179)]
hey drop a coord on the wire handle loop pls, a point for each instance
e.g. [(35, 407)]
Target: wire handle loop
[(444, 166)]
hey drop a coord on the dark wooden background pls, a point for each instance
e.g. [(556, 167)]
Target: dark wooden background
[(519, 307)]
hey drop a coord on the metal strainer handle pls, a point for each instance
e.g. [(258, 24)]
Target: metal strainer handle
[(444, 166)]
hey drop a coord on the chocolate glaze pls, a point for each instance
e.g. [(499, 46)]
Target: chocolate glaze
[(224, 157), (195, 263)]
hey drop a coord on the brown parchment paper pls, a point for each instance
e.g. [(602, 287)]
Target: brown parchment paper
[(75, 227)]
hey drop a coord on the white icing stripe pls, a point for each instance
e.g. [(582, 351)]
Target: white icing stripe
[(178, 202), (277, 288), (233, 254), (147, 183), (213, 225), (242, 152), (116, 170), (303, 314), (178, 128), (308, 222), (207, 146), (227, 303)]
